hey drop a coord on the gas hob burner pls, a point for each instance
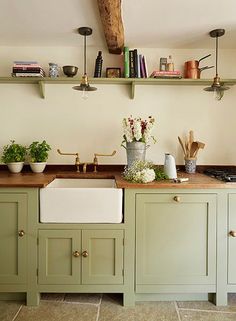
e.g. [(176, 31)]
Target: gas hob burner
[(226, 175)]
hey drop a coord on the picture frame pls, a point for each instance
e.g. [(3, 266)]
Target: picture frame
[(113, 72)]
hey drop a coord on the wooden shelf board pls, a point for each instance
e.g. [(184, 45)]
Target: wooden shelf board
[(132, 82)]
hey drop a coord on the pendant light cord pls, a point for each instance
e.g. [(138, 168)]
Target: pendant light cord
[(217, 56), (85, 55)]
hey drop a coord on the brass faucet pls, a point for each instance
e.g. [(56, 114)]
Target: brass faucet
[(77, 161), (95, 160)]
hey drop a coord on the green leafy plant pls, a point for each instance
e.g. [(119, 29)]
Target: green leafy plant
[(13, 153), (159, 173), (38, 152)]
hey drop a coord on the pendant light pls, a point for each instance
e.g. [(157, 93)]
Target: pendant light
[(217, 87), (84, 85)]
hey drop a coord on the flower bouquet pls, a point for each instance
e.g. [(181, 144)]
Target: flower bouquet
[(136, 134), (143, 172)]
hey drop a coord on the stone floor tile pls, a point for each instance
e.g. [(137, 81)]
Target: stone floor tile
[(111, 309), (205, 305), (187, 315), (53, 296), (8, 309), (148, 311), (58, 311), (83, 298)]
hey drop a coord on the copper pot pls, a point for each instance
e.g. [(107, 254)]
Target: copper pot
[(194, 73), (192, 70)]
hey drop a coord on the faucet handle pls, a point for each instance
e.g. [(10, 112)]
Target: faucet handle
[(95, 160), (112, 154), (61, 153), (77, 161)]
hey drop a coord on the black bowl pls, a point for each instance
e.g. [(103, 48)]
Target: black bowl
[(70, 71)]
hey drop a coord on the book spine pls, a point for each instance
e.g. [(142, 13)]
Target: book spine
[(139, 67), (26, 62), (126, 62), (168, 77), (157, 72), (26, 66), (21, 74), (28, 70), (131, 64), (142, 67), (136, 63), (145, 66)]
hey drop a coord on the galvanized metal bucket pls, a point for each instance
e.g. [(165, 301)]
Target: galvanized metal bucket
[(135, 151)]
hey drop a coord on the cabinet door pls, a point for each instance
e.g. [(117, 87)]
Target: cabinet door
[(13, 238), (176, 238), (59, 257), (232, 240), (102, 262)]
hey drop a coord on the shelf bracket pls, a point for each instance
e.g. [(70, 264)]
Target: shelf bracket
[(132, 89), (41, 84)]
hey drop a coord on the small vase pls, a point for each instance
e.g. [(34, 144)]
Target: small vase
[(38, 167), (190, 165), (135, 151), (15, 167), (53, 70)]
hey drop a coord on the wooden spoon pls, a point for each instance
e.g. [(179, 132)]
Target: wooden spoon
[(182, 145), (194, 148)]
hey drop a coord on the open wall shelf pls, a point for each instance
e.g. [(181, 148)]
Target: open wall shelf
[(132, 82)]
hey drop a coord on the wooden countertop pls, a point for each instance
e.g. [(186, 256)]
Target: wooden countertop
[(196, 180)]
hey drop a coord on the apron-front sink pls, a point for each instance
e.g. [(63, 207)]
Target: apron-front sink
[(81, 201)]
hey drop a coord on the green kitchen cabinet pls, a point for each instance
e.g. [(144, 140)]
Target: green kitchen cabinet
[(175, 241), (232, 240), (13, 237), (81, 257)]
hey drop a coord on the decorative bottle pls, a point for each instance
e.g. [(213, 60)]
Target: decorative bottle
[(170, 64), (98, 66)]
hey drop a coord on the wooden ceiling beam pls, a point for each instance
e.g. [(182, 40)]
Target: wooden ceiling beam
[(110, 12)]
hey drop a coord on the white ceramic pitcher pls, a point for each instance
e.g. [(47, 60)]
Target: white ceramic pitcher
[(169, 166)]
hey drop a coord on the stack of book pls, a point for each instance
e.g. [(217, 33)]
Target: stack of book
[(135, 64), (166, 74), (27, 69)]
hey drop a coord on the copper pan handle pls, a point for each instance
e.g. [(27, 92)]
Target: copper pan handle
[(204, 57)]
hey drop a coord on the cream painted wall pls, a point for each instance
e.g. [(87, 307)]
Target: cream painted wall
[(68, 122)]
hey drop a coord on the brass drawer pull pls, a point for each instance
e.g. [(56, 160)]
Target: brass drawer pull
[(21, 233), (76, 253), (176, 199), (85, 253), (232, 233)]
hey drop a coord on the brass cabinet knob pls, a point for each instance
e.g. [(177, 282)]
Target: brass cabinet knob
[(176, 199), (232, 233), (85, 253), (76, 253), (21, 233)]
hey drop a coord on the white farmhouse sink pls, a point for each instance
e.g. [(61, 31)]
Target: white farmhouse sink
[(81, 201)]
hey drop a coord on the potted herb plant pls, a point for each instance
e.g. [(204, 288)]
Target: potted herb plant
[(14, 156), (38, 153)]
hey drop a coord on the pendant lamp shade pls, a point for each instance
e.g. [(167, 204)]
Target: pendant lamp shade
[(217, 87), (84, 85)]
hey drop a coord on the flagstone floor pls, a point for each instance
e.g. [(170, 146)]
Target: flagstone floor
[(96, 307)]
